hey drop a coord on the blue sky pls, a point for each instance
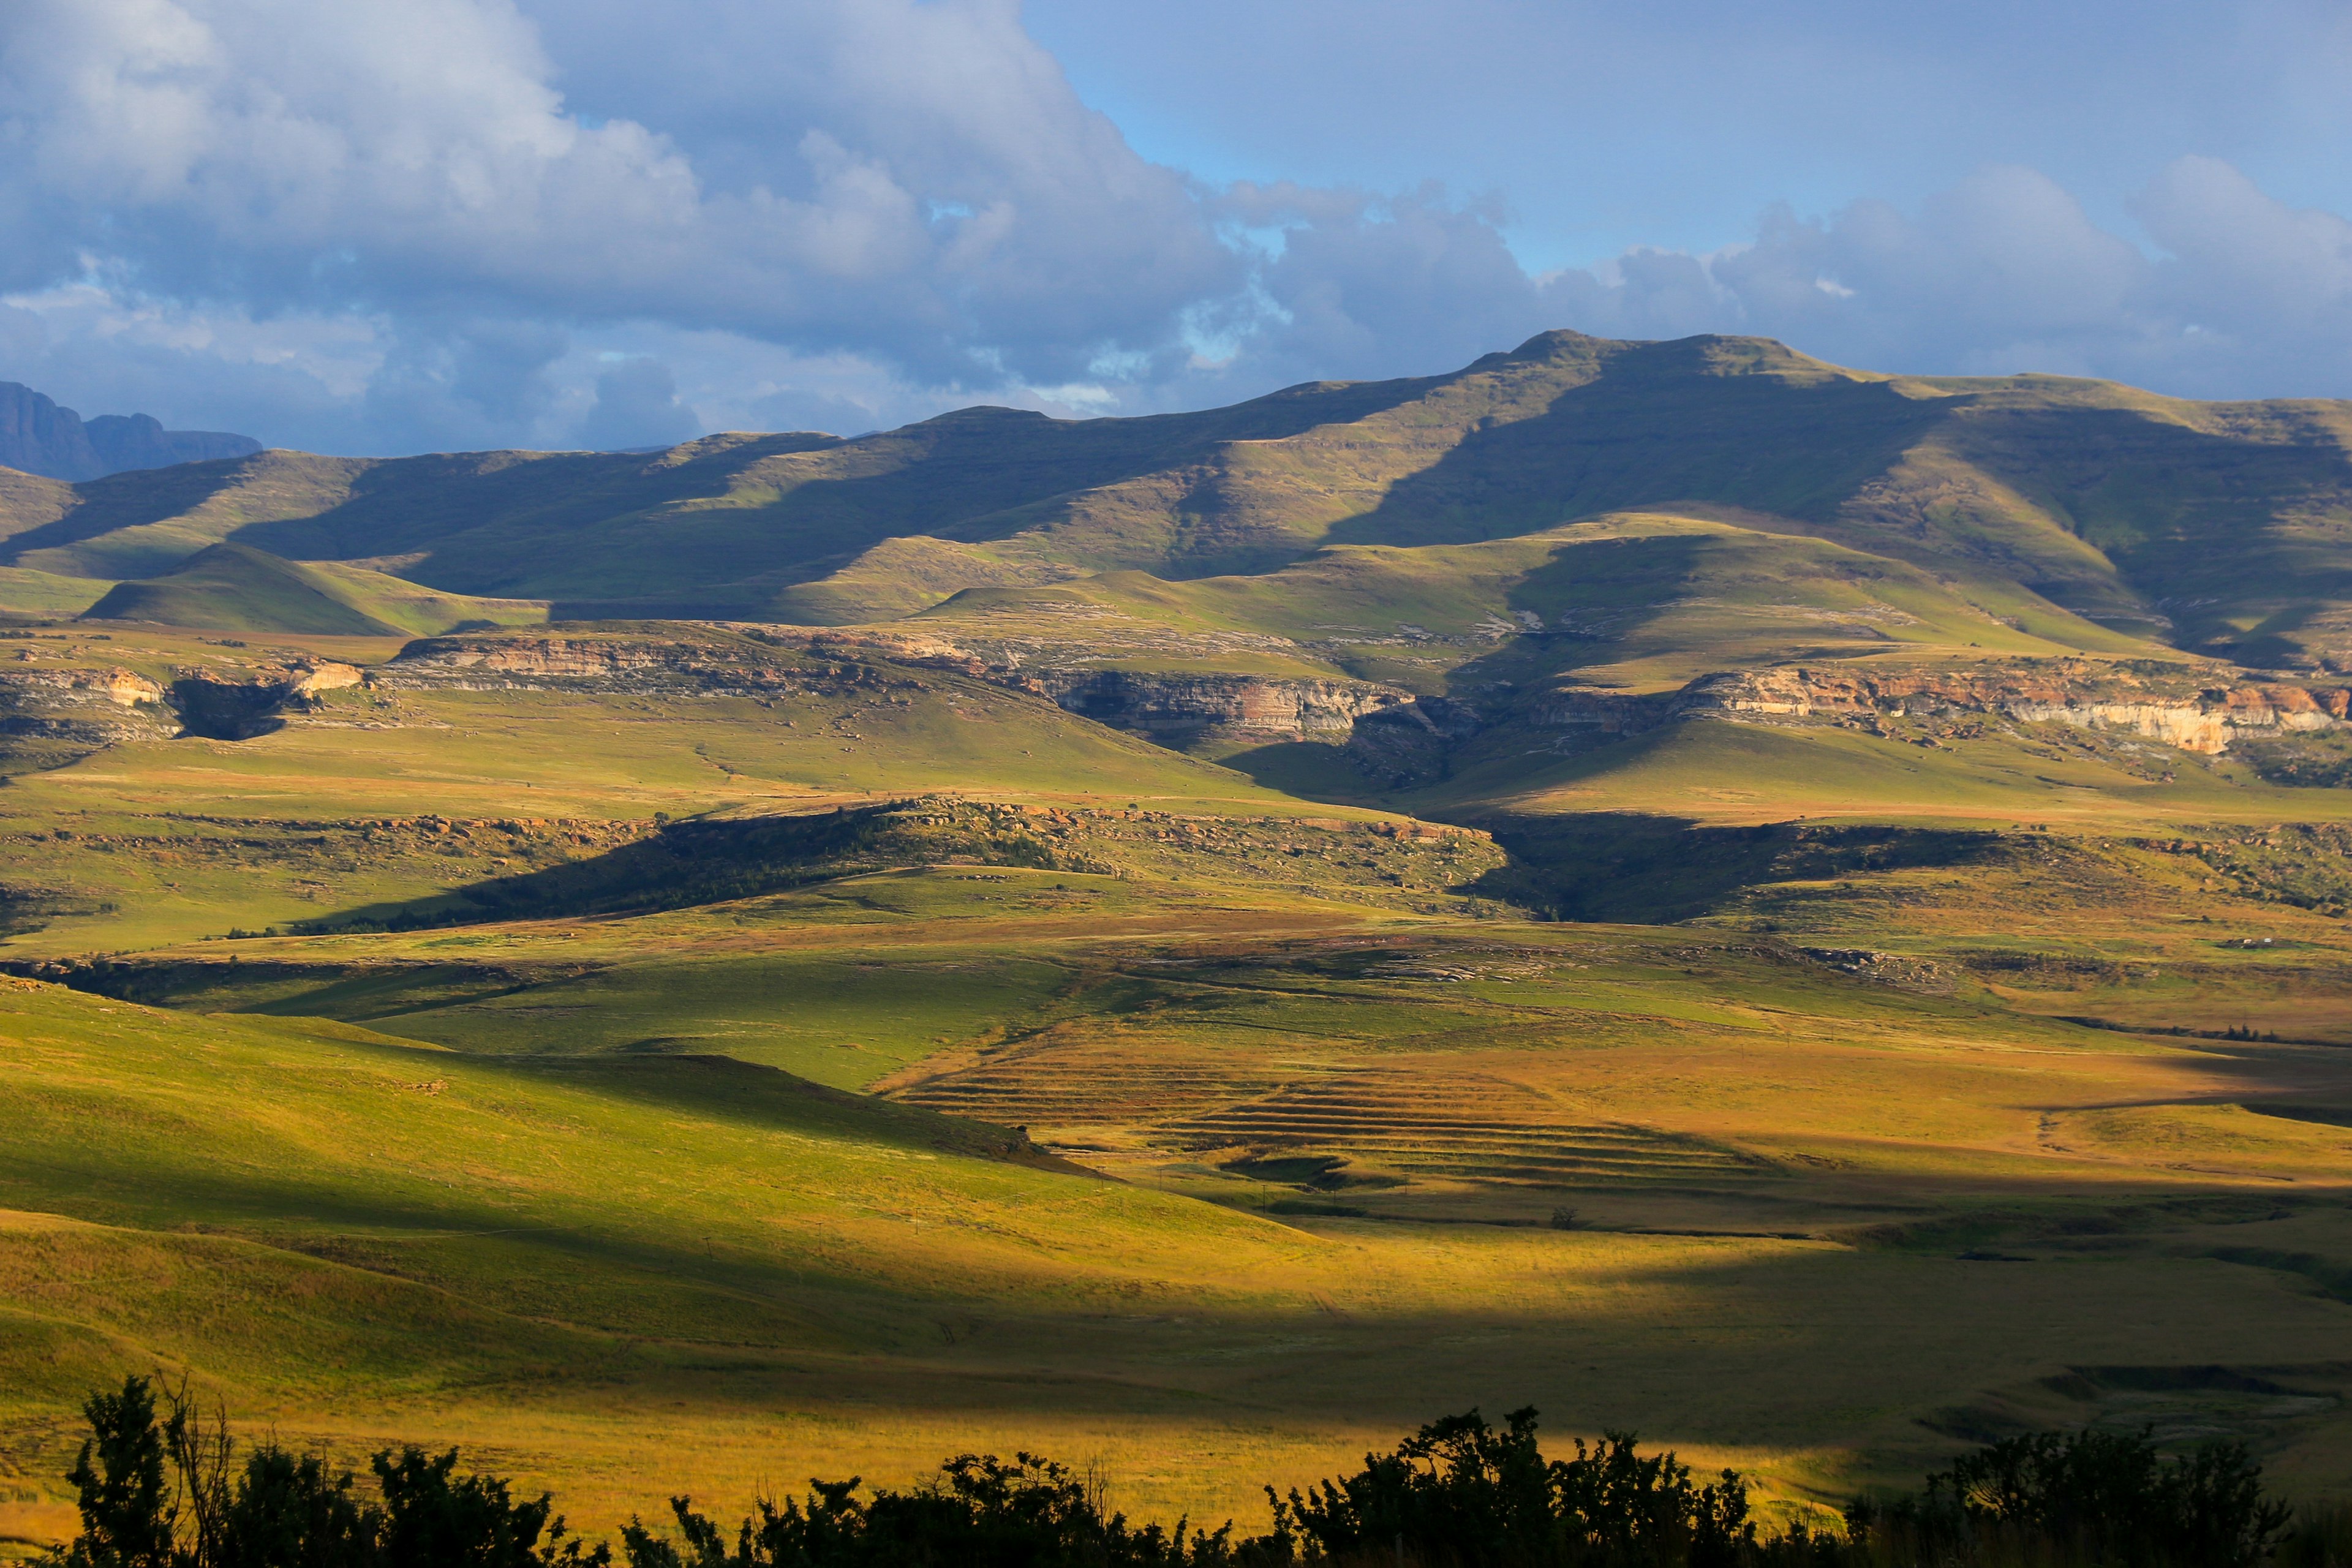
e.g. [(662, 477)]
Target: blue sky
[(1612, 126), (392, 226)]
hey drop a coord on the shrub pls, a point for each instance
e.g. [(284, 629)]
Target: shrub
[(2092, 1497), (285, 1511), (1459, 1493), (977, 1512)]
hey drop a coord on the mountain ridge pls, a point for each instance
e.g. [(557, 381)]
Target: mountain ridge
[(2222, 529), (37, 436)]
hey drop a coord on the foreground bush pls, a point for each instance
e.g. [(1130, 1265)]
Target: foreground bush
[(167, 1491), (167, 1494), (2093, 1498)]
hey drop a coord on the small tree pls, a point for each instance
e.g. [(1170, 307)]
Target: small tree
[(127, 1515)]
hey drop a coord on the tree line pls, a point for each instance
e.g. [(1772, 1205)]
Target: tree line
[(159, 1486)]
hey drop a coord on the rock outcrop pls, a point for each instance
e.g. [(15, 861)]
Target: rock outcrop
[(224, 706), (1176, 706), (1243, 707), (83, 708), (597, 662), (2174, 706)]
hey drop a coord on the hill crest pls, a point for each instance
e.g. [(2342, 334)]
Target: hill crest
[(2213, 528)]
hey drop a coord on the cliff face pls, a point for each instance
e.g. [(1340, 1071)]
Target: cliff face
[(225, 708), (81, 710), (1175, 707), (2169, 707), (38, 437), (86, 708), (592, 663), (1240, 706)]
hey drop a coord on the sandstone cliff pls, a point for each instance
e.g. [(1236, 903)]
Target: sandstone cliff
[(732, 666), (85, 707), (2194, 708), (1176, 705)]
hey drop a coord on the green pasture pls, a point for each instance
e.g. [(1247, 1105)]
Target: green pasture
[(1732, 772), (620, 1272), (229, 587)]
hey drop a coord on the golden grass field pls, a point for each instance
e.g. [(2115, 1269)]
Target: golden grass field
[(1323, 1135)]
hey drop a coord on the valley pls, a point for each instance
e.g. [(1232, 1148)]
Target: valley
[(1796, 911)]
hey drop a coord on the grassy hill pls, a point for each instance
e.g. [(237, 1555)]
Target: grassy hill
[(41, 594), (1636, 602), (229, 587), (1690, 886), (623, 1262), (2109, 503)]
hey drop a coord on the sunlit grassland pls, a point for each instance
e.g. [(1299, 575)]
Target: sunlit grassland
[(233, 588), (1353, 1142), (24, 592), (625, 1277), (1742, 773), (499, 753), (1636, 601), (171, 840)]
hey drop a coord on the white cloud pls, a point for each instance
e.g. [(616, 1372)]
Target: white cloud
[(404, 224)]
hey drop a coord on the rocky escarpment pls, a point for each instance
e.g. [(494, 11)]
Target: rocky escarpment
[(87, 708), (1179, 707), (1182, 707), (51, 715), (2184, 707), (723, 665), (223, 706)]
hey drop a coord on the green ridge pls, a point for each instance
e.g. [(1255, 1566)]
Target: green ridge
[(231, 587)]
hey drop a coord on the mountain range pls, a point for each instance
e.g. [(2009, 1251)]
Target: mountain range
[(38, 436), (1803, 911), (2221, 528)]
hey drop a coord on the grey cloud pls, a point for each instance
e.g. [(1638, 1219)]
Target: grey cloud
[(2002, 272), (479, 383), (943, 200), (1417, 282), (638, 406), (379, 226)]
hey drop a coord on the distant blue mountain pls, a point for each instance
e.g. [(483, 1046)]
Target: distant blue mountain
[(38, 437)]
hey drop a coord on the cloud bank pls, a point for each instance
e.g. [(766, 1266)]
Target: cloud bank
[(433, 223)]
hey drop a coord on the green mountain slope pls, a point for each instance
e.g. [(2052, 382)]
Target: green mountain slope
[(1634, 601), (28, 592), (229, 587), (2222, 528)]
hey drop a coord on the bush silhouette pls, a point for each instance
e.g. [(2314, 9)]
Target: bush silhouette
[(164, 1491), (285, 1511), (2093, 1498)]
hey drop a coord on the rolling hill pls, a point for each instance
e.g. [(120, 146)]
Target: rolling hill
[(1799, 910), (231, 587), (2215, 528)]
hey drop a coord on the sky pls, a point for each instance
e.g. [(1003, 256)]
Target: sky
[(385, 227)]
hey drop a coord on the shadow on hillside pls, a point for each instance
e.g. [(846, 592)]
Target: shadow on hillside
[(1620, 867), (687, 864), (723, 1088), (1648, 430)]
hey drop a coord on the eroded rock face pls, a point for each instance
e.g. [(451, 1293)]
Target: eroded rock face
[(588, 664), (510, 664), (2169, 707), (1165, 705), (223, 707), (1172, 707), (85, 707), (1240, 706)]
